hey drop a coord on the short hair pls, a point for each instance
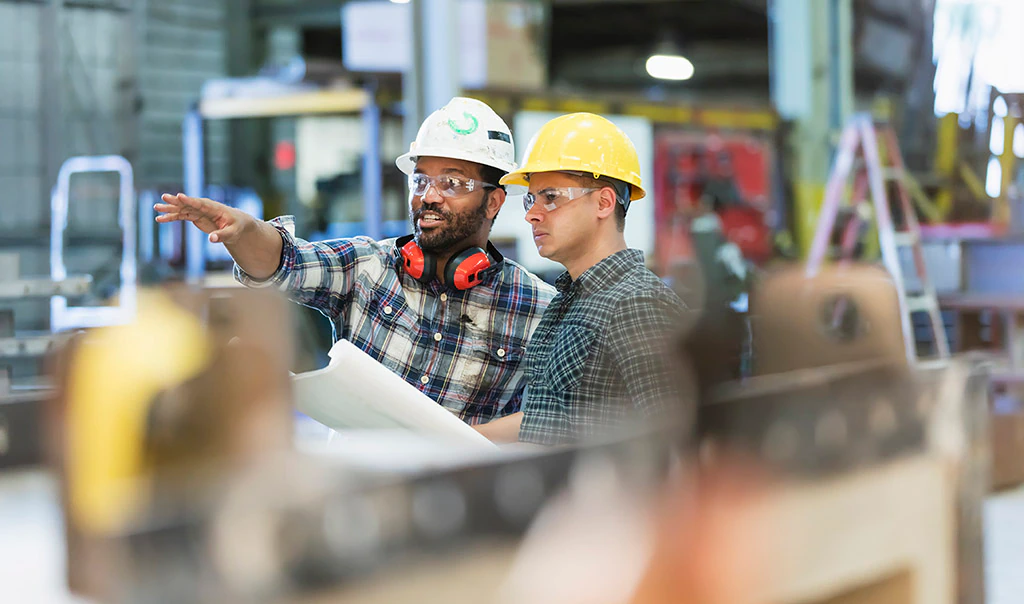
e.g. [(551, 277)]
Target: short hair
[(492, 175), (621, 193)]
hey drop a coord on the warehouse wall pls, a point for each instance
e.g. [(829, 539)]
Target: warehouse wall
[(184, 44), (90, 78), (67, 96), (22, 214)]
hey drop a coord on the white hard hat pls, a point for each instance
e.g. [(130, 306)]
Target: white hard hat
[(465, 129)]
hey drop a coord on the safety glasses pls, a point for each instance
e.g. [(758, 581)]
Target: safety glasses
[(448, 185), (556, 197)]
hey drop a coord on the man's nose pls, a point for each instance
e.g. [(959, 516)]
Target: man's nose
[(535, 214), (432, 194)]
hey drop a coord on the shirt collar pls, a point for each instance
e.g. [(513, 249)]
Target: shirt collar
[(608, 270)]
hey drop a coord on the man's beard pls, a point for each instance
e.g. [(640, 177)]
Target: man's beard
[(457, 227)]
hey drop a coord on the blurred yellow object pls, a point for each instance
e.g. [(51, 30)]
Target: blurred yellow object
[(946, 156), (581, 142), (114, 376), (930, 210), (807, 198), (1001, 212)]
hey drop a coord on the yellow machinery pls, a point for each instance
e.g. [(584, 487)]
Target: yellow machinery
[(157, 414), (817, 480)]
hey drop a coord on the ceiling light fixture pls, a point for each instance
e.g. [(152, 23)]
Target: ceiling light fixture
[(669, 67), (667, 61)]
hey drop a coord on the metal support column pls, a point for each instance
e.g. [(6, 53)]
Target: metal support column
[(1001, 211), (434, 76), (412, 93), (51, 87), (812, 85), (243, 134), (194, 182), (372, 177), (284, 44)]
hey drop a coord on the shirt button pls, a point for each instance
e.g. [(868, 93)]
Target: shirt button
[(444, 297), (387, 310), (424, 380), (437, 337), (501, 353)]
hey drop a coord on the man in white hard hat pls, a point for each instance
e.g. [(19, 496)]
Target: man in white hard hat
[(603, 358), (440, 307)]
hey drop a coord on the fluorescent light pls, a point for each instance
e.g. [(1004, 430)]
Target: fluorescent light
[(669, 67), (400, 1), (997, 140), (994, 180), (999, 108)]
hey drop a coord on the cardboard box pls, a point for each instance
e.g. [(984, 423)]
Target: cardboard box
[(501, 44), (1007, 450), (515, 45)]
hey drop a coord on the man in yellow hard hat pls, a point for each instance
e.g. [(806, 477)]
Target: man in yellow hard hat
[(601, 357)]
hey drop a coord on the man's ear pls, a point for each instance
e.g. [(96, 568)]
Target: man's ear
[(495, 199), (606, 202)]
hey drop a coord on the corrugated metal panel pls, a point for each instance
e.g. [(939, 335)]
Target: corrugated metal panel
[(185, 45), (106, 66), (95, 64), (20, 165), (22, 211)]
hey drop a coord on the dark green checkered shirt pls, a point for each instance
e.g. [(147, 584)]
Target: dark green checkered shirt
[(602, 355)]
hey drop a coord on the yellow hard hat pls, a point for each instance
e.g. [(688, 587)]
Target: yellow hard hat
[(581, 142)]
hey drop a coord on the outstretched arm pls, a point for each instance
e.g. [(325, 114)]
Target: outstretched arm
[(254, 245)]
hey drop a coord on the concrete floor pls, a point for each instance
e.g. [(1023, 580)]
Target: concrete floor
[(31, 541), (1004, 547), (32, 552)]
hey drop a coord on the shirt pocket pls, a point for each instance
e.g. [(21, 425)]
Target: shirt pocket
[(567, 361), (486, 368), (388, 329)]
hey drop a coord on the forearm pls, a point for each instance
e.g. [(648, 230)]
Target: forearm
[(257, 250), (502, 430)]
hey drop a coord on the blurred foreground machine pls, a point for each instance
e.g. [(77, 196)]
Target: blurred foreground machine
[(836, 475)]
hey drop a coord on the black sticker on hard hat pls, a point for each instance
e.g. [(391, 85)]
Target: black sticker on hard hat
[(494, 135)]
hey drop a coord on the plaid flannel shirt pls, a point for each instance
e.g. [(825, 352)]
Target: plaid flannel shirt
[(601, 357), (461, 348)]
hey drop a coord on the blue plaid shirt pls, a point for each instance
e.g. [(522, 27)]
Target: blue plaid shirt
[(602, 357), (461, 348)]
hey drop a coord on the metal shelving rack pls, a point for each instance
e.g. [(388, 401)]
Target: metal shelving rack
[(21, 407)]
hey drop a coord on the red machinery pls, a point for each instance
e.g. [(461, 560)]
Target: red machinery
[(730, 172)]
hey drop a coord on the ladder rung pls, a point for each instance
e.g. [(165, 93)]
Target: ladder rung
[(906, 239), (893, 174), (922, 303)]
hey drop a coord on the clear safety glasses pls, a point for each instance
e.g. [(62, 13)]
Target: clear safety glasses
[(448, 185), (556, 197)]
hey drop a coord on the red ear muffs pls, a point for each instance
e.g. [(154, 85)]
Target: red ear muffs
[(420, 266), (466, 269)]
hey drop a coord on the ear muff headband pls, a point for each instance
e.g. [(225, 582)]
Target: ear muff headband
[(463, 271), (418, 264), (467, 268)]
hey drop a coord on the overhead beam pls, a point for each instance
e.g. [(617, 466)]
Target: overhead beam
[(709, 60), (584, 2), (289, 13)]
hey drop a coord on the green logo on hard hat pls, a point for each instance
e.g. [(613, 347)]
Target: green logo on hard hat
[(469, 129)]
